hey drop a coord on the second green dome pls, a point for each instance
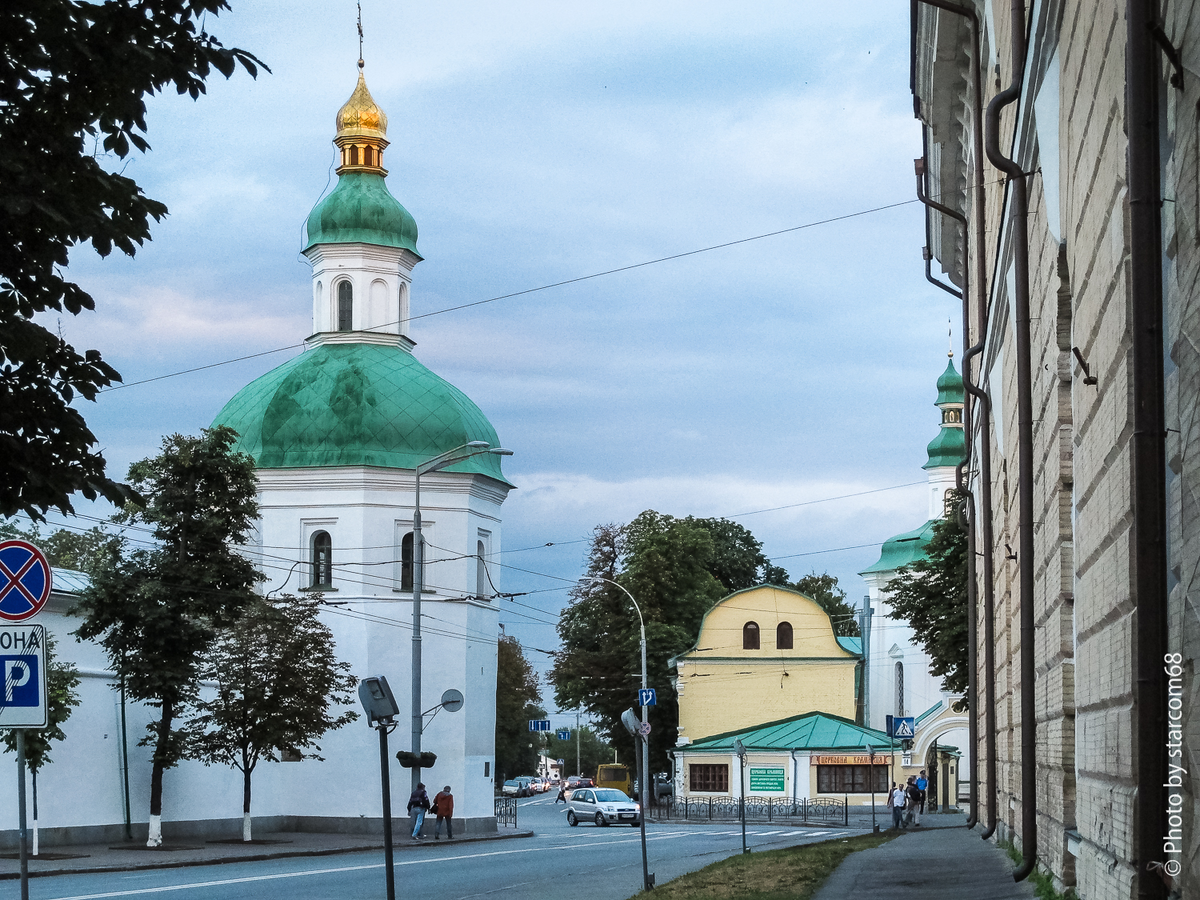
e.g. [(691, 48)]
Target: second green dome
[(362, 210)]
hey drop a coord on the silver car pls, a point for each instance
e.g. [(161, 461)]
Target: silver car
[(604, 806)]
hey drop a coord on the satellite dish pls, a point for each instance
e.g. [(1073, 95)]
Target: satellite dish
[(452, 700)]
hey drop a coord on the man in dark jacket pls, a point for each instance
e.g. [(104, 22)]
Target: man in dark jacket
[(418, 802)]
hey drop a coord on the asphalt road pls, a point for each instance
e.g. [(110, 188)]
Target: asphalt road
[(585, 862)]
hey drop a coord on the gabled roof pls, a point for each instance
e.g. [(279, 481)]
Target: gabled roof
[(808, 731)]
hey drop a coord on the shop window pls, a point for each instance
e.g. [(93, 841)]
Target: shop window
[(709, 779), (851, 779)]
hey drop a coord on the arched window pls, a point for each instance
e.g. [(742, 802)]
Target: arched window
[(322, 560), (482, 588), (750, 636), (345, 306), (353, 155), (783, 636), (406, 562), (899, 689)]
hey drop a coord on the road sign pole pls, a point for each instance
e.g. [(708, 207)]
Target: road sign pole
[(386, 782), (23, 853)]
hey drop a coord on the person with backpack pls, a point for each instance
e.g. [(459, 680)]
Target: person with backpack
[(912, 795), (418, 802)]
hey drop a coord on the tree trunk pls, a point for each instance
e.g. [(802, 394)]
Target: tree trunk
[(156, 775), (246, 803)]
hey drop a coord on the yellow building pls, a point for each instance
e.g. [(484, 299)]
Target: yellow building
[(763, 654)]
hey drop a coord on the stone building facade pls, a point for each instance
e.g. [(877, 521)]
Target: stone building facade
[(1060, 178)]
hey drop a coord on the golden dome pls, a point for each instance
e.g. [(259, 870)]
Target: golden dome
[(361, 132), (361, 115)]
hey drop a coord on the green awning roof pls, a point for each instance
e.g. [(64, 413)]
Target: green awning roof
[(808, 731)]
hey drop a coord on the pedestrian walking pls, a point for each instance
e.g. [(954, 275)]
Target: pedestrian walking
[(443, 808), (562, 793), (896, 800), (418, 802), (922, 784), (912, 802)]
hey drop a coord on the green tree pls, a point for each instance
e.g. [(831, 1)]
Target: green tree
[(518, 699), (73, 80), (931, 595), (592, 750), (157, 611), (831, 598), (279, 685)]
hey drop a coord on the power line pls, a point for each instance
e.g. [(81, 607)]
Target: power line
[(545, 287)]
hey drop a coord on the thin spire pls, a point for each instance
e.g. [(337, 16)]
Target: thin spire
[(360, 36), (950, 337)]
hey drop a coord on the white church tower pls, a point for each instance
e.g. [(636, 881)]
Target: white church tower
[(337, 435), (898, 680)]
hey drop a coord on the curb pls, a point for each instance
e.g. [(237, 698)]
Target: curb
[(260, 857)]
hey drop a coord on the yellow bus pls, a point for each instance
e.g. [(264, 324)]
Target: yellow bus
[(611, 775)]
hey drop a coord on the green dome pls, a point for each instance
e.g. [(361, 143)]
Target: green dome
[(947, 449), (362, 210), (356, 405), (950, 386), (903, 549)]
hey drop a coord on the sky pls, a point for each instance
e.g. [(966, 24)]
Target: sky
[(536, 143)]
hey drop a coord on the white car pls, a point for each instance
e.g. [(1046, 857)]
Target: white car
[(604, 806)]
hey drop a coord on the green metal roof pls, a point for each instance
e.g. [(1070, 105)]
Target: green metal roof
[(357, 405), (925, 715), (852, 644), (808, 731), (362, 210), (950, 386), (903, 549), (947, 449)]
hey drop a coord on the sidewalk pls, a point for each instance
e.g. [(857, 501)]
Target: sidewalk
[(941, 860), (86, 858)]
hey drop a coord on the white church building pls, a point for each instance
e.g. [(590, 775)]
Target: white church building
[(337, 434), (899, 682)]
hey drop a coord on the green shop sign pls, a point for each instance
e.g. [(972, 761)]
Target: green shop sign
[(766, 779)]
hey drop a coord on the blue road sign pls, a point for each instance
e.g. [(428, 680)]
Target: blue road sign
[(564, 734), (539, 724), (647, 697), (22, 676), (24, 580), (904, 728)]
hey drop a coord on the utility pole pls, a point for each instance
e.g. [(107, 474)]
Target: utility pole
[(578, 744)]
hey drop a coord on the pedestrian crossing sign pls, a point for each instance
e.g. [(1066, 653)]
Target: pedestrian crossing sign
[(903, 728)]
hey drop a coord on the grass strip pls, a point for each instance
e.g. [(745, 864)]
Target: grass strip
[(793, 873)]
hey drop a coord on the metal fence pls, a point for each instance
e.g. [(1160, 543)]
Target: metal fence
[(506, 811), (825, 810)]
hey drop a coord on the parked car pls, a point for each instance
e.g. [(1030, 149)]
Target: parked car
[(511, 788), (604, 806), (525, 781), (538, 785)]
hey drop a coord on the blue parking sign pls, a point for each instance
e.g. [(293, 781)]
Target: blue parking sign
[(21, 681)]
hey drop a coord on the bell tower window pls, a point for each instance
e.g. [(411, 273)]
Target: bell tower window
[(345, 306), (322, 560)]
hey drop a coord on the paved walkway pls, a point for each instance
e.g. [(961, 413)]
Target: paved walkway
[(118, 857), (941, 860)]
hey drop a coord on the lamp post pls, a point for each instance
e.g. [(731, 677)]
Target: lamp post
[(441, 461), (740, 749), (645, 709), (871, 775)]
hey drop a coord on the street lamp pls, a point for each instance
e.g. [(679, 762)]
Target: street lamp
[(645, 709), (442, 460), (648, 881)]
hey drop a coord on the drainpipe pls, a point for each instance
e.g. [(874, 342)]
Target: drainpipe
[(1147, 445), (1020, 243), (985, 474)]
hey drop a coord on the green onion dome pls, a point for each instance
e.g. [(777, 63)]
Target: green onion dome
[(362, 210), (950, 386), (357, 405)]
